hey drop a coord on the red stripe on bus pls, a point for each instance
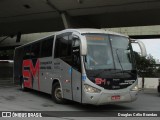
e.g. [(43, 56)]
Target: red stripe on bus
[(31, 72)]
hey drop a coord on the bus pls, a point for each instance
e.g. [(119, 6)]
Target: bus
[(89, 66)]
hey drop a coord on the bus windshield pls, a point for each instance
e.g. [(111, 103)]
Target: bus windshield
[(108, 52)]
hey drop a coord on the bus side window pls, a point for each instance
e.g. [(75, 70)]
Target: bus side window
[(27, 52), (63, 47), (35, 50), (46, 47)]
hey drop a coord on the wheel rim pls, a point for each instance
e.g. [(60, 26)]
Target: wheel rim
[(58, 93)]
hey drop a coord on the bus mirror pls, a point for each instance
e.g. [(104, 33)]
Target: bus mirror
[(75, 37), (76, 41), (82, 43), (142, 47)]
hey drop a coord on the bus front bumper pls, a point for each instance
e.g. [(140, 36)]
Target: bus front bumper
[(109, 97)]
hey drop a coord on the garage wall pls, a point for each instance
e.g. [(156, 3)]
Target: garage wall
[(6, 73), (148, 83)]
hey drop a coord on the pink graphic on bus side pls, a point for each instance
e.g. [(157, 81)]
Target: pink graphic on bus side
[(32, 71)]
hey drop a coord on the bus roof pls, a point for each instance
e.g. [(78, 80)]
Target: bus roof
[(80, 31), (92, 30)]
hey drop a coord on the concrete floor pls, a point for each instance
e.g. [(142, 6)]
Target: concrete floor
[(13, 99)]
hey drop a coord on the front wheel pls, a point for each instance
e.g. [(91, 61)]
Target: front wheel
[(159, 88), (57, 93)]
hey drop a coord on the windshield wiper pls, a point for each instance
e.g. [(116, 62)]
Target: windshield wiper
[(119, 60), (122, 66)]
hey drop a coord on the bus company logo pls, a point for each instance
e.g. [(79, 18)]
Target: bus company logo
[(6, 114), (100, 81), (21, 114), (32, 71)]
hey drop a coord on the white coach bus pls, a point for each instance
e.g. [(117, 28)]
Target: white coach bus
[(89, 66)]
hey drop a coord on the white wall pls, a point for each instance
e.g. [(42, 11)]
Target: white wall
[(148, 82), (137, 30)]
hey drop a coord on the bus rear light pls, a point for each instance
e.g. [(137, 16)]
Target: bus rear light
[(91, 89)]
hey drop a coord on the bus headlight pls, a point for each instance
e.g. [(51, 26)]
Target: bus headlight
[(135, 88), (91, 89)]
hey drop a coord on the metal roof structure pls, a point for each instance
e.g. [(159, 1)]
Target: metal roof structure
[(32, 16)]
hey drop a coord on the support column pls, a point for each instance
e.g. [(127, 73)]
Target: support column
[(66, 20)]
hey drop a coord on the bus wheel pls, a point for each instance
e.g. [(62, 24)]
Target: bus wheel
[(57, 93), (159, 88)]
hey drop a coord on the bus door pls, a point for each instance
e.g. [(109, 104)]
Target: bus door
[(63, 63), (67, 65), (76, 69)]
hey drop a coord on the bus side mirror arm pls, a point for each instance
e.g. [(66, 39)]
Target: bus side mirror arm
[(142, 47)]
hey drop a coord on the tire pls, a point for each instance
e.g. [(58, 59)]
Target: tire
[(57, 93), (158, 89)]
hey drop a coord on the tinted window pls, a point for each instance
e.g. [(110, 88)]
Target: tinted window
[(63, 46), (35, 50), (121, 52), (46, 47), (27, 52)]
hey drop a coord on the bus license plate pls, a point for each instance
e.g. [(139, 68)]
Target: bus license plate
[(117, 97)]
